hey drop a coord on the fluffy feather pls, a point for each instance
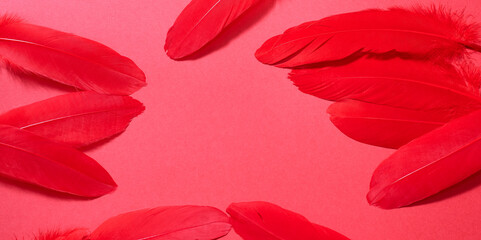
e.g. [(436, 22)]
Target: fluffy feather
[(165, 223), (200, 22), (266, 221), (394, 82), (428, 164), (419, 33), (384, 126), (67, 58), (74, 234), (77, 119), (33, 159)]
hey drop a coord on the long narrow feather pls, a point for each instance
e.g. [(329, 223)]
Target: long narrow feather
[(421, 33), (395, 82), (429, 164), (384, 126), (266, 221), (162, 223), (200, 22), (67, 58), (33, 159), (77, 119)]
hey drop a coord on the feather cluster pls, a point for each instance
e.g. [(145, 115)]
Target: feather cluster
[(251, 220), (40, 142), (399, 79)]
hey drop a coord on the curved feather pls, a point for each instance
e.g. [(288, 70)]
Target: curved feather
[(200, 22), (384, 126), (418, 32), (395, 82), (429, 164), (179, 222), (266, 221), (77, 119), (33, 159), (66, 58), (74, 234)]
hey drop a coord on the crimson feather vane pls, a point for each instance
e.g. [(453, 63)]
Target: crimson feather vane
[(33, 159), (395, 82), (76, 119), (200, 22), (399, 79), (161, 223), (67, 58), (382, 125), (428, 164), (179, 222), (266, 221), (420, 33)]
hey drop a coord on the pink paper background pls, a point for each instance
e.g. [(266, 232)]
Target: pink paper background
[(224, 128)]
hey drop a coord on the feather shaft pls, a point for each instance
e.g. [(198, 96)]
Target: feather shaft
[(77, 119), (68, 59), (395, 82), (179, 222), (200, 22), (384, 126), (428, 164), (33, 159), (420, 33)]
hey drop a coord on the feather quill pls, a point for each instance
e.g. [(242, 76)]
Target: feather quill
[(200, 22), (384, 126), (394, 82), (165, 223), (66, 58), (428, 164), (77, 119), (420, 33), (266, 221), (33, 159)]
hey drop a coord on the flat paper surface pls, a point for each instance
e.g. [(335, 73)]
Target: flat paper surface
[(224, 128)]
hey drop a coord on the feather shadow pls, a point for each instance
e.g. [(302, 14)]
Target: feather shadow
[(97, 145), (465, 186), (246, 21)]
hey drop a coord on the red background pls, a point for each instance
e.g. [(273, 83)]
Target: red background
[(224, 128)]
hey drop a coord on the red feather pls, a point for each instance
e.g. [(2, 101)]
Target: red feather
[(328, 234), (382, 125), (428, 164), (67, 58), (394, 82), (77, 119), (30, 158), (182, 223), (266, 221), (75, 234), (418, 33), (200, 22)]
